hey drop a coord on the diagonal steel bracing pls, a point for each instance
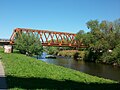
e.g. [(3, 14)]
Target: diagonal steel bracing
[(48, 38)]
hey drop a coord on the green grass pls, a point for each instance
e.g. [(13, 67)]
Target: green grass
[(24, 72)]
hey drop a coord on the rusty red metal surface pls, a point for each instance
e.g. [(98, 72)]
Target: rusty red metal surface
[(49, 38)]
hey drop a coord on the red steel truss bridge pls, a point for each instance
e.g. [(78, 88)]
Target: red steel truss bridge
[(49, 38)]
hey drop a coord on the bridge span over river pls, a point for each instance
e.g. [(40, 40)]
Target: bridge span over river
[(47, 38)]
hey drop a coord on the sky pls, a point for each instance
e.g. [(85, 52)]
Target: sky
[(54, 15)]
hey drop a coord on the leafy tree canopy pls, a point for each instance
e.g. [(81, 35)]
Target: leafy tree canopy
[(102, 37), (28, 44)]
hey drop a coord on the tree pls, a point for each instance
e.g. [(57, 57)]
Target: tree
[(28, 44), (102, 37)]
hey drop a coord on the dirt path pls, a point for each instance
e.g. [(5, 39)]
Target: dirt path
[(3, 84)]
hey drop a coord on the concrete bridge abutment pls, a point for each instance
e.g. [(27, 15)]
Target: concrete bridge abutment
[(8, 48)]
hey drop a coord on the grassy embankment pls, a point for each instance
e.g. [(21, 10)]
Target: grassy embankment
[(28, 73)]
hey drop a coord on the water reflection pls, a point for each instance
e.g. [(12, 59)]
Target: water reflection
[(101, 70)]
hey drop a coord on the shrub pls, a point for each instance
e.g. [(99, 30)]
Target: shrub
[(28, 44)]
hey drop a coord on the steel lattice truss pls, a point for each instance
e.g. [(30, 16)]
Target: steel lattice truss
[(49, 38)]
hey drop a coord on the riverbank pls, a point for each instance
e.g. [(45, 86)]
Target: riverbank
[(72, 53), (24, 72), (82, 55)]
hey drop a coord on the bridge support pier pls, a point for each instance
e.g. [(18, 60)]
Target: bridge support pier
[(8, 48)]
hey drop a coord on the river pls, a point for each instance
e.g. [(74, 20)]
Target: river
[(96, 69)]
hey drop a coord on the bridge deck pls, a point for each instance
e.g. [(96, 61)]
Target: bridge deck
[(4, 41)]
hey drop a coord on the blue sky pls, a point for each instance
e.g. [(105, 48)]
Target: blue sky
[(55, 15)]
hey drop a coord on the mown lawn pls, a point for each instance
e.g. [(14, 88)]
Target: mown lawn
[(24, 72)]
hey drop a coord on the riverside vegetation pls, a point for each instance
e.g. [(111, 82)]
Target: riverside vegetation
[(102, 41), (23, 72)]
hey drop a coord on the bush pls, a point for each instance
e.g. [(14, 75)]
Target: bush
[(116, 54), (111, 57), (52, 50), (28, 44), (106, 58)]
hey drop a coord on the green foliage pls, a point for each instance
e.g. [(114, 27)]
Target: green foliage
[(28, 44), (116, 53), (72, 53), (112, 57), (52, 50), (68, 53), (106, 58), (55, 50), (79, 37), (24, 72), (103, 36)]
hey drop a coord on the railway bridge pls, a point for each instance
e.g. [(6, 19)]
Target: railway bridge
[(47, 38)]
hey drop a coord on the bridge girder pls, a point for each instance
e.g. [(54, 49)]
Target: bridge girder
[(49, 38)]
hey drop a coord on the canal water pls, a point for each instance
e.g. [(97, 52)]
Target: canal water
[(100, 70)]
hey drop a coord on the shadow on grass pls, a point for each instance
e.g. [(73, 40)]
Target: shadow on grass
[(44, 83), (3, 83)]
